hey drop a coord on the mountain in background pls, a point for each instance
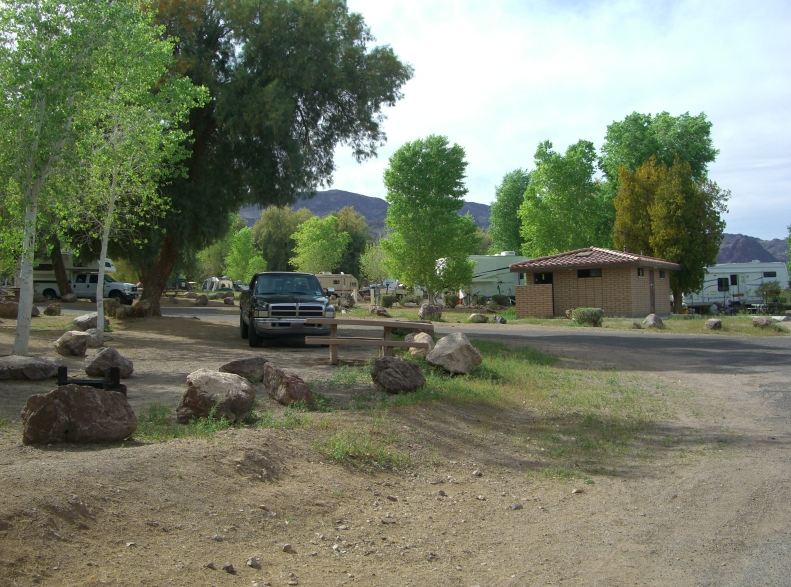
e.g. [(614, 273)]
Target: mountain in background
[(738, 248), (373, 209)]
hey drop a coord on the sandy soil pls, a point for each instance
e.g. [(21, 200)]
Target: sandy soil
[(157, 514)]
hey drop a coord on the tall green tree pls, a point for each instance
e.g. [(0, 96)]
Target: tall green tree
[(425, 189), (677, 217), (290, 81), (211, 259), (564, 207), (319, 245), (372, 263), (504, 228), (243, 260), (273, 234), (353, 223)]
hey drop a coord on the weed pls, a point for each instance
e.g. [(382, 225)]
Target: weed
[(159, 425), (362, 450), (4, 423), (565, 474)]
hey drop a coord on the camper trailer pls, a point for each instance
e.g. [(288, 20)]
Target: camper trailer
[(340, 282), (493, 274), (734, 284), (45, 283)]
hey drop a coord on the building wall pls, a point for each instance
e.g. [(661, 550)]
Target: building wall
[(620, 291), (533, 301)]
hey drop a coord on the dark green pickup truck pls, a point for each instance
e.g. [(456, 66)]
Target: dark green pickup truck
[(278, 303)]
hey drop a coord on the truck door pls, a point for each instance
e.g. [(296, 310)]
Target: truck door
[(80, 285)]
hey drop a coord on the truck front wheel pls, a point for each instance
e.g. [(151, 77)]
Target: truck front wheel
[(49, 294), (253, 339)]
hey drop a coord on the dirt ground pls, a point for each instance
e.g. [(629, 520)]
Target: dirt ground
[(159, 513)]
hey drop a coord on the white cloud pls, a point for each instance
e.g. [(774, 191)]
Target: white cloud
[(498, 77)]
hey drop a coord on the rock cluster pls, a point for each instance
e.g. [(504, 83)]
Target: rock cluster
[(379, 311)]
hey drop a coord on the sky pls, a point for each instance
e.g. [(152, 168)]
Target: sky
[(499, 77)]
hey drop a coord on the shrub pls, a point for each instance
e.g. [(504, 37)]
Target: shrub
[(588, 316), (388, 300), (451, 300), (501, 300), (478, 300), (414, 299)]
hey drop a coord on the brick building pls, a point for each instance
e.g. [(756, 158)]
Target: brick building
[(620, 283)]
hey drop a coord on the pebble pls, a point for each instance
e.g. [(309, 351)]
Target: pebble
[(516, 506), (293, 582), (210, 566), (481, 498), (477, 473), (578, 491), (344, 527), (128, 544), (441, 493), (392, 498), (253, 562), (217, 538), (228, 568), (289, 549)]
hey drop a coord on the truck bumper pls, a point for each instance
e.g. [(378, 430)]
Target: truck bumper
[(272, 327)]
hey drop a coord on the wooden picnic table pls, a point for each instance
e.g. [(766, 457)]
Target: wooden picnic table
[(385, 344)]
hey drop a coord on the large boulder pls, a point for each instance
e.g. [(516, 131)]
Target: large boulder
[(231, 396), (419, 337), (85, 322), (72, 343), (454, 354), (11, 309), (97, 338), (395, 375), (285, 387), (111, 306), (251, 368), (141, 308), (228, 294), (477, 318), (34, 368), (228, 301), (762, 322), (430, 311), (69, 298), (52, 310), (96, 365), (77, 413), (714, 324), (202, 300), (653, 321)]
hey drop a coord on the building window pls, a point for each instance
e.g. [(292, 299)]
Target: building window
[(583, 273), (542, 278), (336, 282), (723, 284), (734, 280), (770, 273), (640, 272), (661, 274)]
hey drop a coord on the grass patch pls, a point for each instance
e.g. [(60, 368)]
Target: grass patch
[(565, 474), (363, 449), (4, 424), (159, 424)]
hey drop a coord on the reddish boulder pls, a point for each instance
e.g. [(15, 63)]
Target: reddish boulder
[(285, 387)]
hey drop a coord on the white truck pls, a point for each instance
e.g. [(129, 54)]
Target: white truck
[(83, 279), (493, 275), (734, 284)]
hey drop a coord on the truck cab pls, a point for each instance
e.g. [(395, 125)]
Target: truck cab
[(85, 285)]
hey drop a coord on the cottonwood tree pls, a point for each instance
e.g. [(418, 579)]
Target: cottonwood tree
[(665, 212), (47, 52), (273, 234), (290, 81), (564, 207), (319, 245), (372, 263), (504, 228), (211, 259), (425, 189), (243, 260), (353, 223)]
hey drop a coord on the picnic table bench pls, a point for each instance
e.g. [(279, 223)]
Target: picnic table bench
[(385, 344)]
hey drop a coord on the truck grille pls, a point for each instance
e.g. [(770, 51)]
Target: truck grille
[(296, 310)]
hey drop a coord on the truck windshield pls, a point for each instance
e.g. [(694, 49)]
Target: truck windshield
[(289, 284), (108, 279)]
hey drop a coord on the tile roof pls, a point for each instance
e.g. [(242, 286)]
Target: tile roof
[(592, 257)]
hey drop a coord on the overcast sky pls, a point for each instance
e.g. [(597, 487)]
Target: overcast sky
[(499, 77)]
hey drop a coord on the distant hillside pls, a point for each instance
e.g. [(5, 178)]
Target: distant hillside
[(373, 209), (738, 248)]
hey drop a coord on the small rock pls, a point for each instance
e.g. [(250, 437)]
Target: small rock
[(130, 544), (72, 343), (477, 318), (228, 568), (497, 319), (517, 506), (577, 491), (210, 566), (713, 324), (477, 473), (343, 527), (636, 326), (52, 310), (392, 498), (253, 562), (762, 322), (202, 300), (396, 375), (481, 498), (217, 538), (285, 387), (289, 549), (653, 321), (292, 582), (441, 493)]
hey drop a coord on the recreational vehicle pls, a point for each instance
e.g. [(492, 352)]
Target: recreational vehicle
[(493, 275), (734, 284), (341, 283)]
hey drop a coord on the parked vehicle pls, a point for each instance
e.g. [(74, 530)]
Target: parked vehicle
[(84, 286), (278, 303), (734, 284), (340, 283), (493, 275), (217, 284)]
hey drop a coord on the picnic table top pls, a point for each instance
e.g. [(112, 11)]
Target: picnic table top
[(373, 322)]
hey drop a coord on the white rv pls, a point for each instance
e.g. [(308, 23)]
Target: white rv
[(734, 284), (493, 274)]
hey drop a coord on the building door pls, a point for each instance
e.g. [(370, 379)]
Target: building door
[(651, 290)]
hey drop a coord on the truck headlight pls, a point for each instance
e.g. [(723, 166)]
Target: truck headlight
[(329, 312), (262, 312)]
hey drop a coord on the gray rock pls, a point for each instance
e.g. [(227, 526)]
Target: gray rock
[(33, 368), (77, 413), (228, 568), (285, 387), (784, 318), (636, 326), (52, 310), (231, 396), (72, 343), (85, 322), (454, 354), (420, 337), (653, 321), (110, 305), (191, 295), (430, 311), (477, 318), (516, 506), (762, 322), (289, 549), (11, 309), (228, 294), (395, 375), (96, 365), (38, 298), (227, 301), (497, 319), (123, 313), (410, 305), (68, 298), (379, 311), (97, 338), (251, 368), (714, 324), (202, 300)]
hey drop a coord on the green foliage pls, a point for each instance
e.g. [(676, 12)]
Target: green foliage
[(319, 245), (425, 189), (451, 300), (501, 300), (588, 316), (243, 259), (564, 208), (353, 223), (274, 235), (211, 259), (504, 228), (769, 291), (456, 273), (388, 300), (363, 449), (372, 266), (158, 424)]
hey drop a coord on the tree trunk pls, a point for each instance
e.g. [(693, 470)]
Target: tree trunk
[(678, 300), (22, 335), (64, 285), (155, 279)]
